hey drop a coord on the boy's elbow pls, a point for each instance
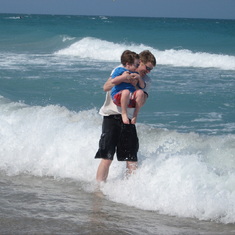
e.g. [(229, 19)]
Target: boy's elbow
[(105, 88), (108, 85)]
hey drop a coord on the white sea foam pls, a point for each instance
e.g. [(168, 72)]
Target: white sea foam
[(66, 38), (186, 175), (209, 117), (14, 17), (97, 49)]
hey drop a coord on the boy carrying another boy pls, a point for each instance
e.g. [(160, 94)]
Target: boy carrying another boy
[(128, 94)]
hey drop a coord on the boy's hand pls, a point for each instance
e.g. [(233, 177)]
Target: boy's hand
[(135, 78), (132, 79)]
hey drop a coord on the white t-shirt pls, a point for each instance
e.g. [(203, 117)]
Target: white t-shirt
[(109, 108)]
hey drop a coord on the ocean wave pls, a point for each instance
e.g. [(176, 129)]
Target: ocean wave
[(186, 175), (14, 17), (97, 49)]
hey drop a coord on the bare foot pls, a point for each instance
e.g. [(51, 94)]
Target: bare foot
[(125, 119), (133, 120)]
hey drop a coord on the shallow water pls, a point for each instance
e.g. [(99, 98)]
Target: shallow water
[(43, 205)]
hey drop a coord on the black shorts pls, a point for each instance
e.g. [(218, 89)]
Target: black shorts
[(118, 138)]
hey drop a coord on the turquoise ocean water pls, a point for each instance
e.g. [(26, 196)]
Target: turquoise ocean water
[(52, 69)]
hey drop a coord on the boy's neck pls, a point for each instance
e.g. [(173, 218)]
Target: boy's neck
[(128, 67)]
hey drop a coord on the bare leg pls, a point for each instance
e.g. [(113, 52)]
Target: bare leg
[(140, 99), (103, 170), (131, 167), (124, 102)]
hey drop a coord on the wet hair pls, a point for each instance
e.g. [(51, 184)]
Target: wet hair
[(146, 56), (129, 57)]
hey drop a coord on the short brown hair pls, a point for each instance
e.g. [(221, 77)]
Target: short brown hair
[(146, 56), (129, 57)]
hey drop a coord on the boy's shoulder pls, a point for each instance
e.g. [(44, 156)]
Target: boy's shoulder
[(120, 66), (118, 71)]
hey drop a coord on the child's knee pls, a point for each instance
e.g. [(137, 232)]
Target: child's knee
[(140, 93), (125, 93)]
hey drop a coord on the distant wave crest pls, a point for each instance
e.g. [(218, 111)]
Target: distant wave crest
[(97, 49)]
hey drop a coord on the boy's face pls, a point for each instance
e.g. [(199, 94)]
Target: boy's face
[(133, 67), (143, 69)]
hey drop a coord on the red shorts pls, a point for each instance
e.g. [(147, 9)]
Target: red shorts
[(132, 100)]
